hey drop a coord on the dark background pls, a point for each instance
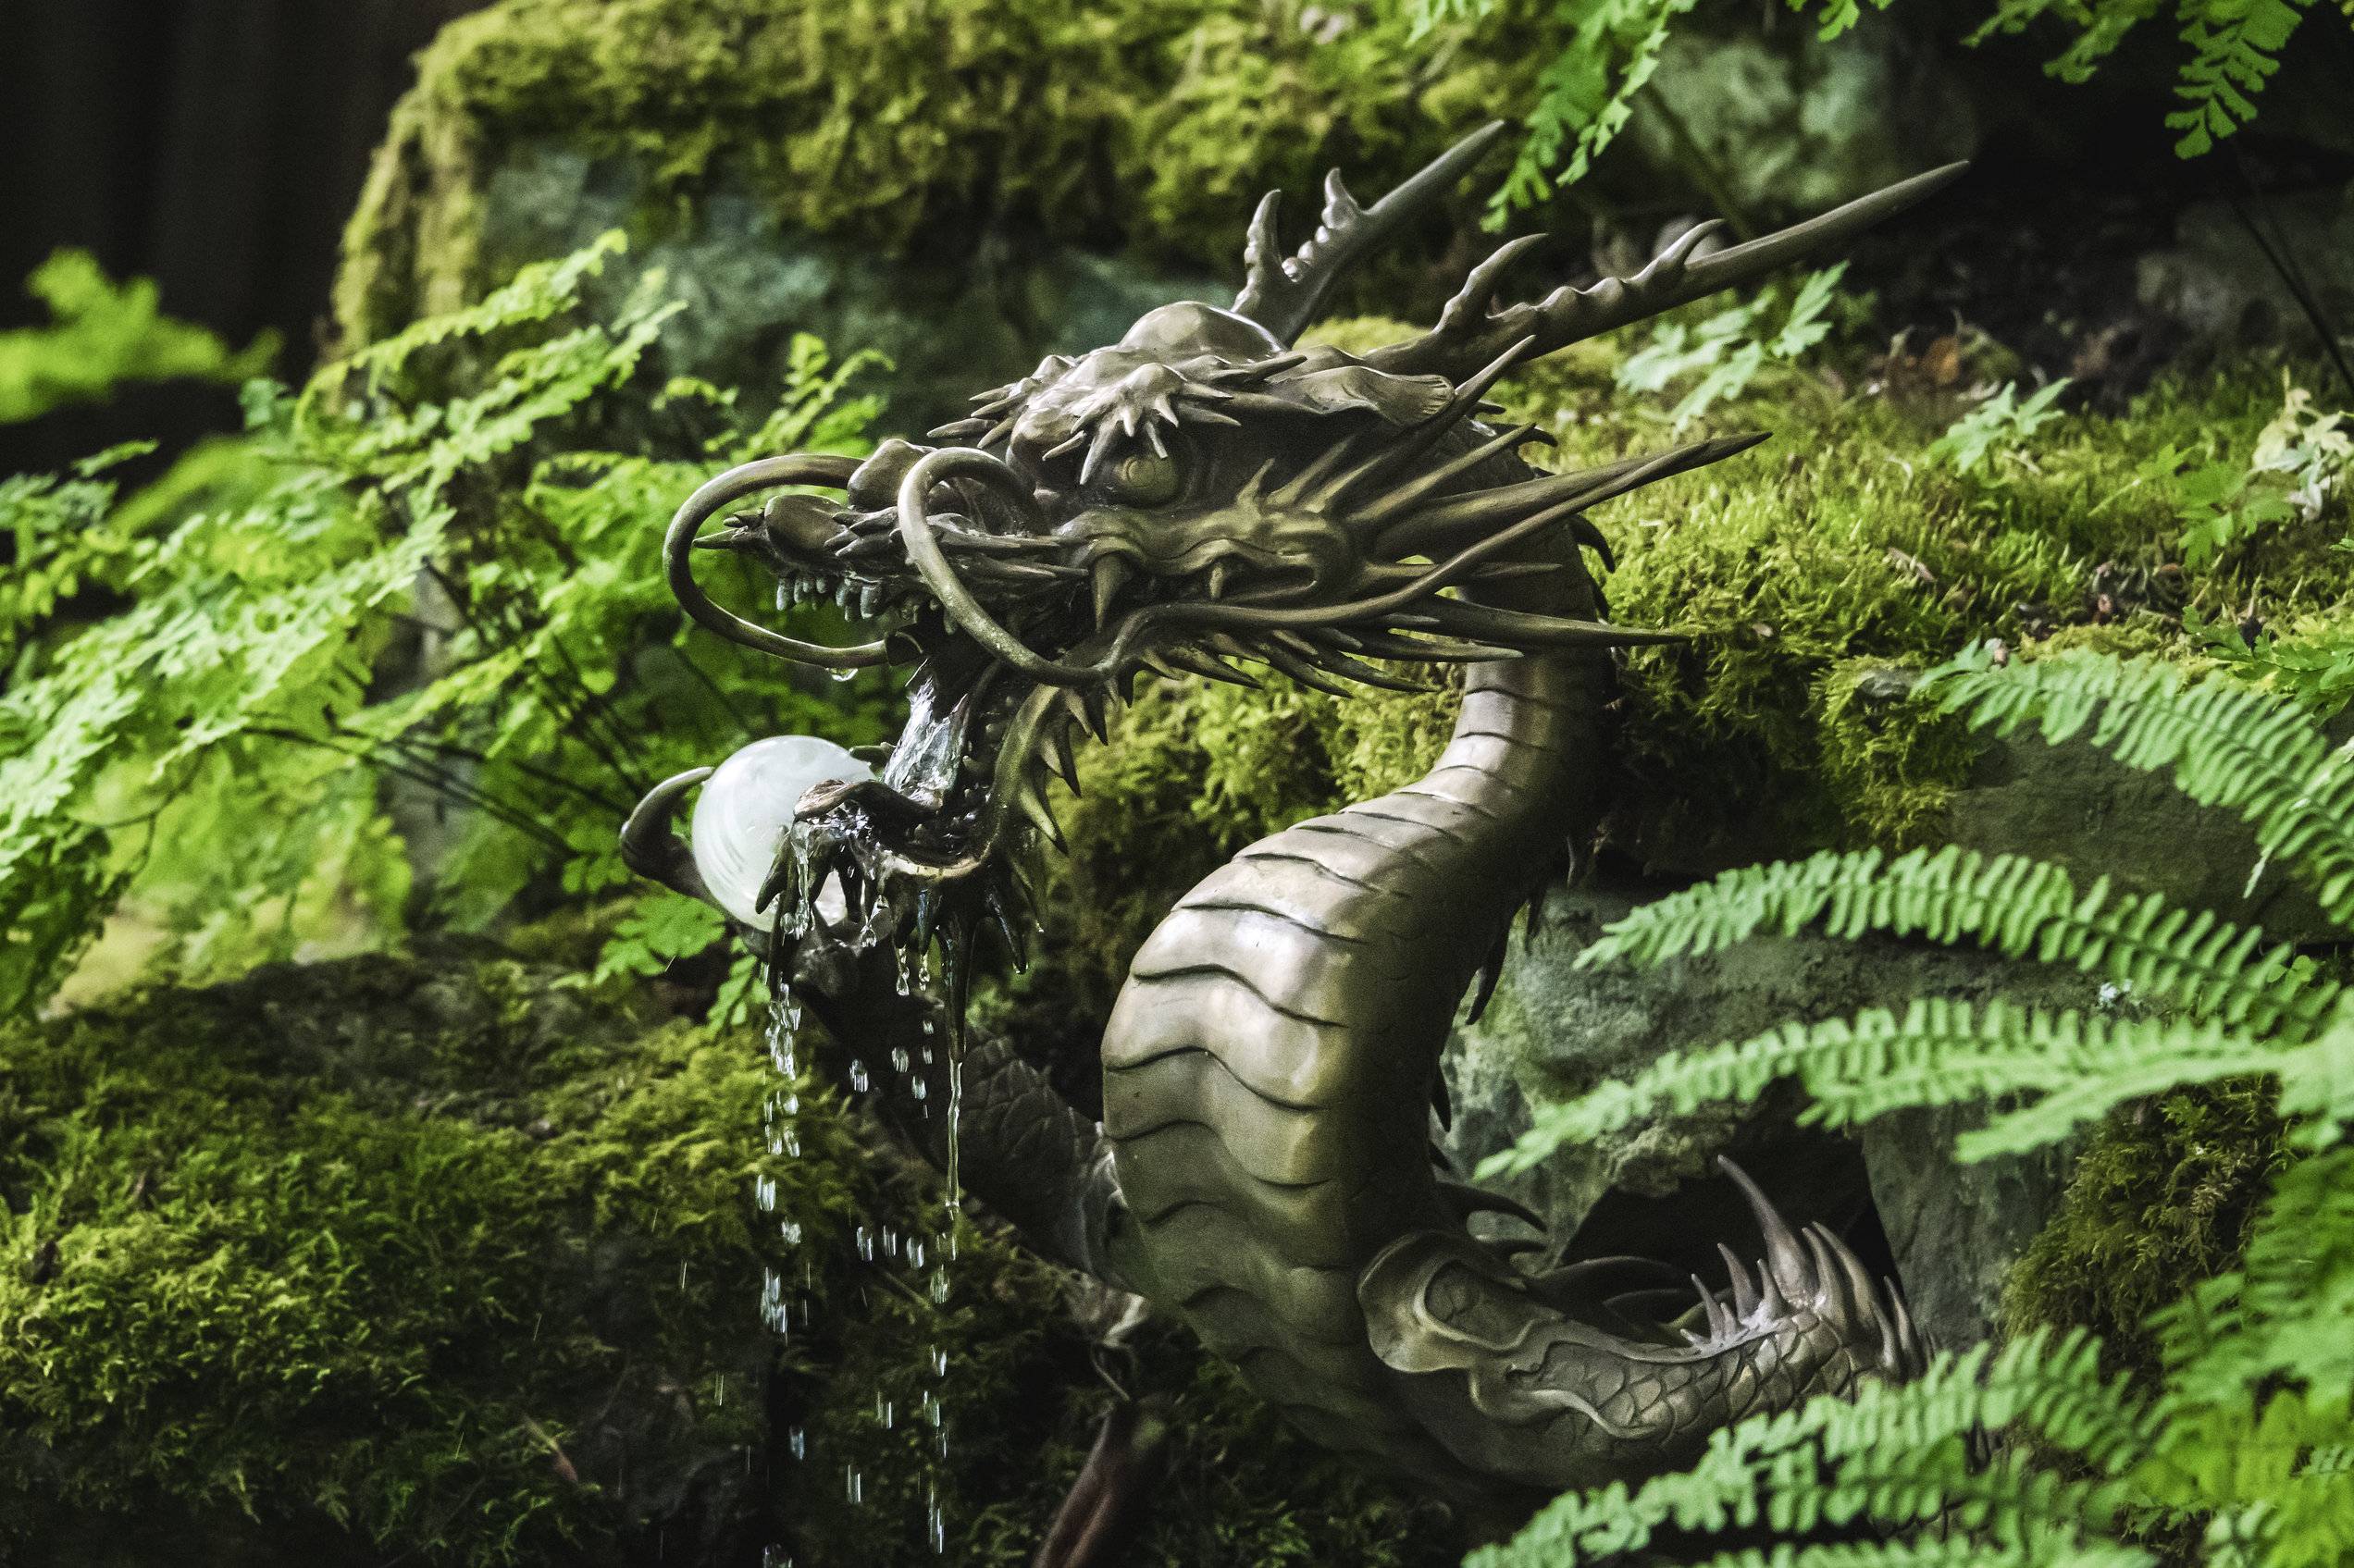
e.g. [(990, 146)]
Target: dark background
[(215, 146)]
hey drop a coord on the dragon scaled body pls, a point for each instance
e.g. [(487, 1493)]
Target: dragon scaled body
[(1202, 493)]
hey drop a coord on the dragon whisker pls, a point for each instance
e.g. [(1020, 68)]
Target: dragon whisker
[(1433, 526), (1407, 495), (1297, 486)]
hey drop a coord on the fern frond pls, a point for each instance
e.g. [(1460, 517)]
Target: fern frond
[(2237, 44), (1939, 1053), (2228, 746), (1896, 1455), (2291, 1307), (1951, 1552), (2020, 908)]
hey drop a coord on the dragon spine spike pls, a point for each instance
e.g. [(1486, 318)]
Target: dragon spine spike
[(1721, 1327), (1790, 1269), (1196, 661), (1859, 1279), (1468, 309), (1283, 294), (1066, 764), (1034, 806), (1491, 971), (1466, 402), (1569, 315), (1891, 1351), (1908, 1339), (1744, 1294), (1301, 669), (1436, 525), (1830, 1283)]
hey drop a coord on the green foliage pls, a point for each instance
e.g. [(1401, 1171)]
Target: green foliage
[(2240, 1431), (2226, 746), (1729, 348), (106, 333), (1585, 96), (2000, 425), (662, 929), (423, 569)]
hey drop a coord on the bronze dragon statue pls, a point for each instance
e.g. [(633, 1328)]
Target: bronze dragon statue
[(1198, 493)]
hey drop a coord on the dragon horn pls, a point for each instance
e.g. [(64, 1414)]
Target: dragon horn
[(1467, 336), (1281, 295)]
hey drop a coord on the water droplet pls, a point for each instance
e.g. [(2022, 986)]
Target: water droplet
[(900, 1058), (857, 1075), (843, 674), (797, 1441)]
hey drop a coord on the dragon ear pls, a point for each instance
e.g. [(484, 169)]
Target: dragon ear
[(1282, 293)]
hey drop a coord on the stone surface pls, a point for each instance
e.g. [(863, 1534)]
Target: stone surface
[(2087, 812), (955, 318), (1955, 1229), (1554, 1030), (1788, 123), (2217, 280)]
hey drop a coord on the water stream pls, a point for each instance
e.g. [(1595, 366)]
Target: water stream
[(921, 1257)]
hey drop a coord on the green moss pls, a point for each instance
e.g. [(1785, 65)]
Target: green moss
[(2161, 1200), (357, 1239), (1137, 124), (1193, 771), (463, 1257), (1838, 546)]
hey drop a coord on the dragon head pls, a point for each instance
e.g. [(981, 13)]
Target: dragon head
[(1200, 492)]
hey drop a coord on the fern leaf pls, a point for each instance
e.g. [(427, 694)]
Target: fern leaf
[(1940, 1052), (2236, 43), (2290, 1308), (2227, 746), (2020, 908)]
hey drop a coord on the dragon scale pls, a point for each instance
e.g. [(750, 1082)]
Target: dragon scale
[(1198, 494)]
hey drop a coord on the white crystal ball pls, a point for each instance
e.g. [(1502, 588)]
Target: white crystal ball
[(746, 808)]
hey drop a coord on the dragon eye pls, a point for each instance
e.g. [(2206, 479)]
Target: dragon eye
[(1139, 478)]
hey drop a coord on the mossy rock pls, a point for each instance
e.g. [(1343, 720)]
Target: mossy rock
[(460, 1259), (441, 1254), (968, 184)]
